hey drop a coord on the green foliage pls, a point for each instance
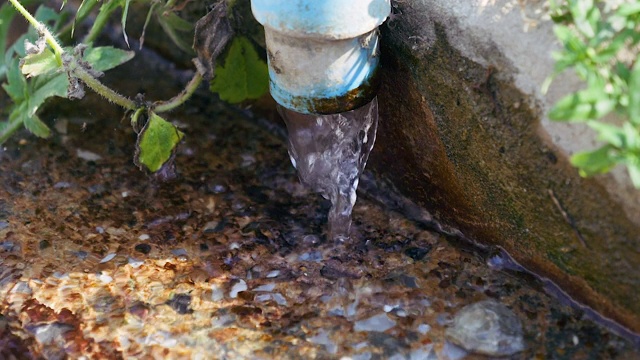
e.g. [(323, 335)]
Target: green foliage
[(244, 74), (156, 142), (600, 43), (37, 68), (38, 76)]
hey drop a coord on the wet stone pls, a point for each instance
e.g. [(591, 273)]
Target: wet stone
[(143, 248), (487, 327), (81, 254), (50, 333), (181, 304), (215, 226), (417, 253), (379, 323), (43, 244), (139, 310)]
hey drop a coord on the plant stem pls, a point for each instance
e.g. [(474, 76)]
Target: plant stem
[(103, 90), (57, 49), (9, 130), (179, 99), (101, 20)]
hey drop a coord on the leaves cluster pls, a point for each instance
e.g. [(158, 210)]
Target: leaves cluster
[(600, 43), (36, 67)]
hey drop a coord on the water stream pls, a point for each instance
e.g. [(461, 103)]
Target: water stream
[(329, 153)]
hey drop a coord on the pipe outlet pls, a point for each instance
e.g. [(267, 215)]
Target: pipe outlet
[(322, 54)]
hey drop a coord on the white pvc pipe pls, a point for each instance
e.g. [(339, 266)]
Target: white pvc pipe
[(322, 54)]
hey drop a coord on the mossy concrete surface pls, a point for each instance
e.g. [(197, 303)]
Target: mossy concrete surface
[(465, 141)]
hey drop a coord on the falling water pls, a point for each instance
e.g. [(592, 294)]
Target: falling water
[(330, 152)]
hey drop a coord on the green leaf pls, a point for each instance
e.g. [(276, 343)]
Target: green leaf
[(594, 162), (123, 21), (589, 104), (582, 12), (634, 173), (44, 87), (244, 74), (629, 9), (632, 137), (39, 64), (156, 143), (569, 39), (16, 86), (634, 94), (83, 11), (106, 57), (172, 24), (609, 133), (36, 126), (7, 12)]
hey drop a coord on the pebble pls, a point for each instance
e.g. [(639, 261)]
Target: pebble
[(135, 263), (87, 155), (417, 253), (143, 248), (44, 244), (423, 353), (241, 285), (380, 323), (322, 338), (452, 352), (216, 293), (62, 185), (181, 304), (48, 333), (108, 258), (105, 278), (279, 299), (424, 328), (487, 327), (179, 252), (22, 287)]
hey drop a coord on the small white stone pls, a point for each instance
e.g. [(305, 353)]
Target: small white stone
[(263, 297), (379, 323), (108, 258), (87, 155), (360, 345), (273, 274), (105, 278), (135, 263), (424, 328), (238, 287), (144, 237), (279, 299)]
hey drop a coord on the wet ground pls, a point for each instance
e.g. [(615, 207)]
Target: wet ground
[(229, 260)]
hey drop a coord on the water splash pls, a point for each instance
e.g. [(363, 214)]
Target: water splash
[(330, 152)]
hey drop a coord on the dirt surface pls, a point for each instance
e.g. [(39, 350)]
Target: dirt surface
[(229, 260)]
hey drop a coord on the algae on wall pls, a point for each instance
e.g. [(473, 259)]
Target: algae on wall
[(464, 142)]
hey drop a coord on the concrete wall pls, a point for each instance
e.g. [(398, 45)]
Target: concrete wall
[(463, 132)]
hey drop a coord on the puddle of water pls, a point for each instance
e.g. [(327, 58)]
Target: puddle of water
[(329, 153)]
